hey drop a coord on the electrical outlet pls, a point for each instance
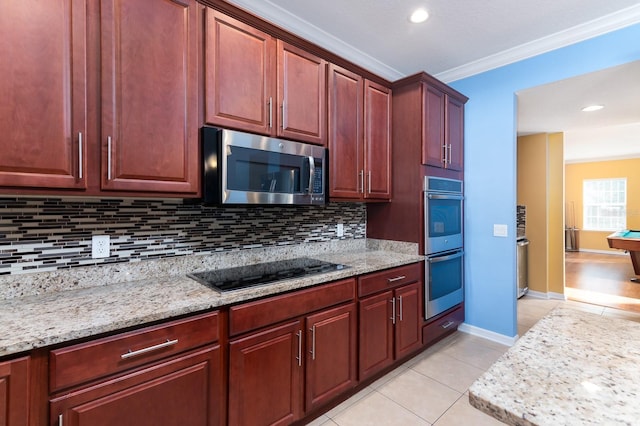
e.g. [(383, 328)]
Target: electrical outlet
[(340, 230), (99, 246)]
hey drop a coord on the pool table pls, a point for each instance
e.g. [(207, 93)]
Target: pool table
[(628, 240)]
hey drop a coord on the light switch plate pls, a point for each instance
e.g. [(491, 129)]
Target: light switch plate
[(499, 230)]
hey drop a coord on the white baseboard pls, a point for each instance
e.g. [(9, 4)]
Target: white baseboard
[(616, 252), (547, 296), (486, 334)]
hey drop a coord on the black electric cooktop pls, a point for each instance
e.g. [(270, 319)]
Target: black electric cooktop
[(263, 273)]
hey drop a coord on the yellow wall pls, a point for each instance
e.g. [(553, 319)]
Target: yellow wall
[(540, 189), (576, 173)]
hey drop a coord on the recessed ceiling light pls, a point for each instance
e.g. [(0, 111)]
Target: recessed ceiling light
[(592, 108), (418, 16)]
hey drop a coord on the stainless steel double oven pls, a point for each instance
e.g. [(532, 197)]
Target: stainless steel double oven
[(443, 244)]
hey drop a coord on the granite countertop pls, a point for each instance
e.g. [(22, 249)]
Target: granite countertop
[(571, 368), (53, 317)]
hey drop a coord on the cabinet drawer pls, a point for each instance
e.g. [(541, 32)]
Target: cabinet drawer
[(442, 326), (86, 361), (390, 278), (253, 315)]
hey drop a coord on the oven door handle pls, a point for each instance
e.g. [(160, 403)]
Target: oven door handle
[(436, 259), (444, 196)]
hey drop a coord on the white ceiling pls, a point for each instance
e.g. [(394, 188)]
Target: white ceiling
[(465, 37)]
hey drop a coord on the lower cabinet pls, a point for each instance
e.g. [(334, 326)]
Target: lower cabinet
[(14, 393), (168, 374), (280, 372), (443, 325), (390, 319)]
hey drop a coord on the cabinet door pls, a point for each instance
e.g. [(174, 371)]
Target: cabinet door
[(455, 134), (301, 95), (377, 139), (433, 127), (331, 354), (265, 377), (240, 75), (375, 334), (182, 391), (408, 336), (14, 394), (345, 133), (149, 95), (43, 85)]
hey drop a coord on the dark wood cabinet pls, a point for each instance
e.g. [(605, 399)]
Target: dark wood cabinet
[(127, 125), (359, 137), (391, 319), (454, 135), (298, 355), (149, 95), (43, 112), (14, 392), (260, 84), (170, 374)]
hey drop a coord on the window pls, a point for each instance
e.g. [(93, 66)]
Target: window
[(604, 204)]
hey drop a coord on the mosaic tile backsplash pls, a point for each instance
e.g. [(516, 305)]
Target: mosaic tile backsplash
[(40, 234)]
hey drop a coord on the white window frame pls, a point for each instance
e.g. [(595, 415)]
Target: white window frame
[(604, 204)]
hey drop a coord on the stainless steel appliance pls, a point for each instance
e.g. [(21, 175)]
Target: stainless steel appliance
[(443, 244), (522, 256), (240, 277), (243, 168)]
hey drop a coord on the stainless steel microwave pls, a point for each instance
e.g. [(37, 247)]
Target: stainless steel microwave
[(243, 168)]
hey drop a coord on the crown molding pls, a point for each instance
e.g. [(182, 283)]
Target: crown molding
[(304, 29), (614, 21)]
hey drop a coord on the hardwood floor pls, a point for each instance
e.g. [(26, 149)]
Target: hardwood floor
[(601, 279)]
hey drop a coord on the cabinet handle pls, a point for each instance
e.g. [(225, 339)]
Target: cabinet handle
[(447, 324), (400, 300), (284, 122), (108, 157), (449, 156), (80, 155), (361, 175), (444, 154), (299, 357), (393, 310), (398, 278), (149, 349), (313, 342), (369, 182), (60, 420), (270, 112)]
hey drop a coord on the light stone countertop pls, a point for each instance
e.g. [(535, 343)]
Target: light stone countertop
[(571, 368), (53, 317)]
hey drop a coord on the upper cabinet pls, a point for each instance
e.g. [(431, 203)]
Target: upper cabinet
[(149, 95), (359, 137), (100, 107), (43, 110), (257, 83), (436, 109)]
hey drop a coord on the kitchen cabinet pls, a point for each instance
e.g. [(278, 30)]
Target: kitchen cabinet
[(443, 325), (128, 124), (14, 392), (149, 78), (390, 318), (260, 84), (359, 137), (43, 113), (165, 374), (281, 370)]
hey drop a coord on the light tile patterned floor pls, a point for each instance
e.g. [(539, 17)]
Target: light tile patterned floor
[(431, 389)]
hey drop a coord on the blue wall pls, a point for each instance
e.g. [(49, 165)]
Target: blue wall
[(490, 166)]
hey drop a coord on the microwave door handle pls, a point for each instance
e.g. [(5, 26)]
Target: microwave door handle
[(312, 173)]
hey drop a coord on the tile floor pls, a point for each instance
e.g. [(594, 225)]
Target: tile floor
[(431, 389)]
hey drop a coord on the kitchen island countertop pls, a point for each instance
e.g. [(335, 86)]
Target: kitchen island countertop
[(571, 368), (55, 317)]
